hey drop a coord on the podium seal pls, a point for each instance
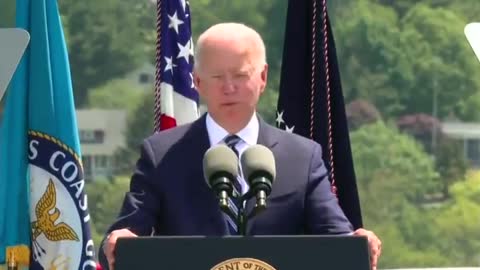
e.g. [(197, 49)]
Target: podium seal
[(243, 264)]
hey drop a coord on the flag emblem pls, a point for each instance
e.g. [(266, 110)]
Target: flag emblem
[(46, 220), (59, 211)]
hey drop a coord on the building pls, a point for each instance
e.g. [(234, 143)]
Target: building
[(101, 134), (143, 77), (469, 135)]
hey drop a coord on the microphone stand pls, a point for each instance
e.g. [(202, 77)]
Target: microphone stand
[(242, 219), (243, 216)]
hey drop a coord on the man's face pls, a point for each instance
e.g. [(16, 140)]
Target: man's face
[(230, 80)]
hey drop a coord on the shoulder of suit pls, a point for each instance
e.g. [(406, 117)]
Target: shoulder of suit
[(291, 138), (170, 135)]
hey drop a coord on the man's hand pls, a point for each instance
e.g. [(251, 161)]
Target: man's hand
[(111, 241), (374, 244)]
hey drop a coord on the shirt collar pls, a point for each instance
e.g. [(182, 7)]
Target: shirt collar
[(248, 134)]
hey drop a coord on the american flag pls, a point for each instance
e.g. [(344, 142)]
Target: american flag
[(176, 100)]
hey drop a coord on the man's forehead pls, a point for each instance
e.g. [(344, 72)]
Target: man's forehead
[(228, 46), (229, 68)]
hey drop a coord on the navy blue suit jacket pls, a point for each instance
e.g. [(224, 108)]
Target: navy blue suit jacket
[(169, 196)]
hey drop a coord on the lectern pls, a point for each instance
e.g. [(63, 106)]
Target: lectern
[(238, 253)]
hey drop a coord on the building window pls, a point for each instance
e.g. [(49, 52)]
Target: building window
[(101, 161), (473, 150), (98, 136), (87, 166), (145, 78), (92, 136)]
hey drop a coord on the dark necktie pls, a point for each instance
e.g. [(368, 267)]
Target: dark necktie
[(231, 141)]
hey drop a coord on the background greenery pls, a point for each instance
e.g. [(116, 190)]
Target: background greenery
[(395, 56)]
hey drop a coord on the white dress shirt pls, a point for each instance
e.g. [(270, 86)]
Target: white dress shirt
[(248, 136)]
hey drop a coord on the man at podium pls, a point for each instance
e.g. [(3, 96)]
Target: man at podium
[(168, 194)]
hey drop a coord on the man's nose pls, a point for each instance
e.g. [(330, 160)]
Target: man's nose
[(228, 85)]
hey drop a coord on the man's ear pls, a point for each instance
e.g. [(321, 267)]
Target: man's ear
[(264, 77), (196, 81)]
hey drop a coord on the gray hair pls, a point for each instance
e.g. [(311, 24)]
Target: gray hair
[(230, 28)]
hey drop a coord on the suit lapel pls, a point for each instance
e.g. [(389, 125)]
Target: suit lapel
[(267, 138), (266, 134), (198, 142)]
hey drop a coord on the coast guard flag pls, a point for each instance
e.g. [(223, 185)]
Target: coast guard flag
[(41, 135), (178, 103), (314, 108)]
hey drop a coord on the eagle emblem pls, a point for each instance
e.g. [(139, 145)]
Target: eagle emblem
[(45, 222)]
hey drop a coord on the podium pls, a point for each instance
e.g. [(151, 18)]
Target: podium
[(238, 253)]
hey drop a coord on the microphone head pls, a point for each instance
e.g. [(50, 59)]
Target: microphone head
[(258, 161), (219, 161)]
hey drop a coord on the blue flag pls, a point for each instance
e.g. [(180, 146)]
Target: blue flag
[(310, 101), (41, 150), (14, 209)]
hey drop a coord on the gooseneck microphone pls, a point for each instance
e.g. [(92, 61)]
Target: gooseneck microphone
[(258, 166), (220, 168)]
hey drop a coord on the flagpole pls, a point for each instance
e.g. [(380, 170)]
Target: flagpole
[(12, 262), (158, 55)]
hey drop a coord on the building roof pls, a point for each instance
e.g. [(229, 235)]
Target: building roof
[(461, 130)]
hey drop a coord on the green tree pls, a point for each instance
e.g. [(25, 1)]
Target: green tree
[(361, 112), (401, 7), (468, 9), (456, 223), (104, 201), (441, 59), (106, 39), (448, 154), (393, 176), (382, 154), (397, 253), (267, 105), (140, 124), (451, 162), (115, 94), (7, 13), (367, 37), (401, 63)]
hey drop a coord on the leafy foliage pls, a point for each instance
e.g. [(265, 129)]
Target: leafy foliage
[(394, 175), (106, 39), (396, 56)]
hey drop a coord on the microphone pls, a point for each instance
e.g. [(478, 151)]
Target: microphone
[(220, 168), (258, 166)]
